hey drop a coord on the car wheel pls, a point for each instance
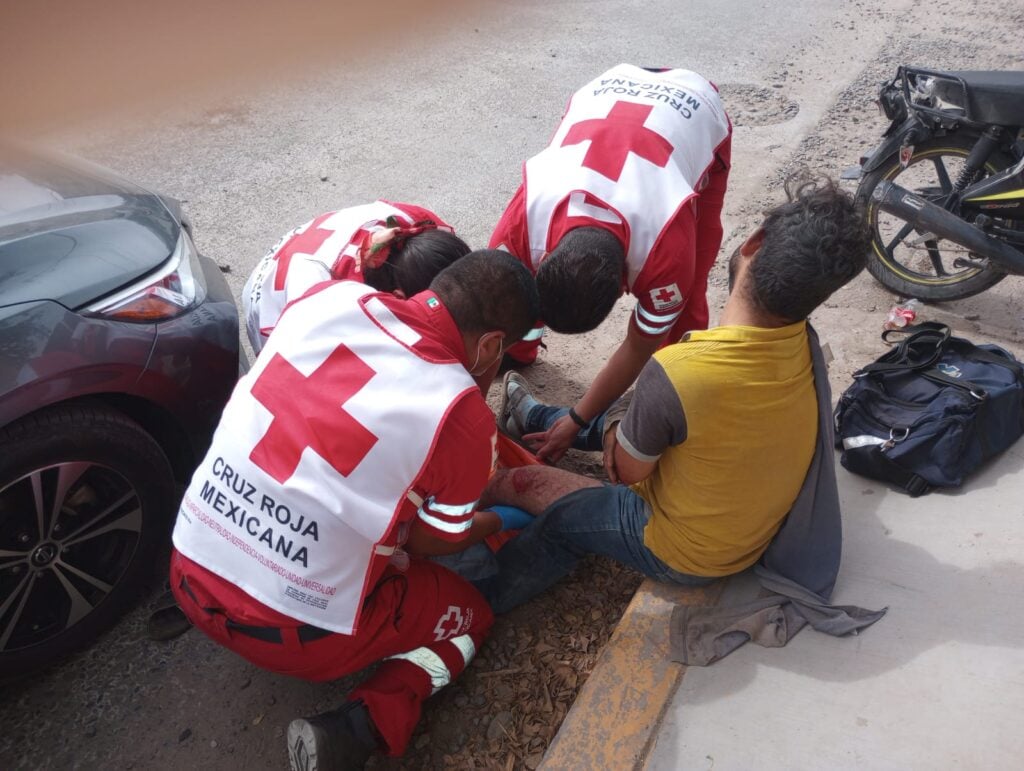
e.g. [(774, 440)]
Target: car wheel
[(86, 498)]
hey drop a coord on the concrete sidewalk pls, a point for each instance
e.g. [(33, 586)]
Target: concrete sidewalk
[(937, 683)]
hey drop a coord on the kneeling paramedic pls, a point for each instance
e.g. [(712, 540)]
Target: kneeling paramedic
[(357, 445)]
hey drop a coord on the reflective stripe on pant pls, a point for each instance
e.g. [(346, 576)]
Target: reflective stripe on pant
[(425, 624), (441, 670), (395, 692)]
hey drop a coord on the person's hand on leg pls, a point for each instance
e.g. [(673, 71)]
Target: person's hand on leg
[(551, 445)]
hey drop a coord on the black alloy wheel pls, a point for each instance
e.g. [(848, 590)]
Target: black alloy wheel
[(904, 259), (85, 498)]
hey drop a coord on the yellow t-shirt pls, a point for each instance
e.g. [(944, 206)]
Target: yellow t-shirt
[(718, 497)]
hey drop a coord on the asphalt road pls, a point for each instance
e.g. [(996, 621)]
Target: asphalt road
[(445, 123)]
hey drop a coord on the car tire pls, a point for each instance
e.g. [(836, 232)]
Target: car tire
[(86, 500)]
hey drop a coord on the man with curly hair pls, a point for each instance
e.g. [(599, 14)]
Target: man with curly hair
[(717, 442)]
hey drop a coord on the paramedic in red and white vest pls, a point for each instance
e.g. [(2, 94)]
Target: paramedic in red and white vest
[(626, 197), (358, 445), (393, 247)]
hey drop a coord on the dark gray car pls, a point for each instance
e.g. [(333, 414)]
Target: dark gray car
[(118, 350)]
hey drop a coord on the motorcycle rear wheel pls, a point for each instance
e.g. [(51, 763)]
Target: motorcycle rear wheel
[(926, 270)]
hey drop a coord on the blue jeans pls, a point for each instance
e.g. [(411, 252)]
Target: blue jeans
[(606, 520), (474, 564), (541, 417)]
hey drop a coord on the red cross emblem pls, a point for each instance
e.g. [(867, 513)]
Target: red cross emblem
[(666, 297), (306, 242), (613, 138), (308, 412), (449, 624)]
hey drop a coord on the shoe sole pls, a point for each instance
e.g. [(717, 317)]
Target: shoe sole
[(504, 409), (302, 751), (503, 412), (167, 623)]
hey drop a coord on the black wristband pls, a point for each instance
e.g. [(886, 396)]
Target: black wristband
[(577, 419)]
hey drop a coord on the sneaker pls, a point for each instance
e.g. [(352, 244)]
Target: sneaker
[(334, 741), (516, 403), (167, 623)]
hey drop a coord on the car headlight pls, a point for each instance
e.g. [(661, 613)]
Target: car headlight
[(175, 287)]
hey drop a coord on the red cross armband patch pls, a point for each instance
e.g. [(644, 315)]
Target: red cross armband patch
[(666, 297), (668, 305)]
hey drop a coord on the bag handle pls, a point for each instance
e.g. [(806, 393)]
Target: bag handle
[(921, 348), (913, 330)]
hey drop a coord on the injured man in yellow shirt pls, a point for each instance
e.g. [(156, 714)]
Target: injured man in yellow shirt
[(709, 455)]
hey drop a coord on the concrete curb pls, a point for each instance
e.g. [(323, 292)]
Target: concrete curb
[(614, 720)]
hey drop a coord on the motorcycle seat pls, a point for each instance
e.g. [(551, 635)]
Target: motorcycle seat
[(995, 97)]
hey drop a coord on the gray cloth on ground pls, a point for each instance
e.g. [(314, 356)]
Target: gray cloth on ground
[(797, 572)]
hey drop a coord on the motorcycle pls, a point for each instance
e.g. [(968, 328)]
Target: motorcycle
[(944, 191)]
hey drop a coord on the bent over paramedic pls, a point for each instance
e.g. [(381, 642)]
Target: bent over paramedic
[(393, 247), (358, 444), (627, 196)]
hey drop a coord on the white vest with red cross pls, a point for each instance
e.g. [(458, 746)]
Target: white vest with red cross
[(631, 150), (315, 454), (324, 248)]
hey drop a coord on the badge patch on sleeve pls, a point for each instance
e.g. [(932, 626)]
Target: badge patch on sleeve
[(666, 297)]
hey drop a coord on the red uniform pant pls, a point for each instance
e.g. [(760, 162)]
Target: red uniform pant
[(425, 624)]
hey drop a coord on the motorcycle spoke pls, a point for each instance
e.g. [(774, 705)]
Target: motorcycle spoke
[(935, 257), (8, 629), (943, 174), (902, 234)]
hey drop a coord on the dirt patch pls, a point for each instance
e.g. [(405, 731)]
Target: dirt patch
[(507, 706), (751, 105)]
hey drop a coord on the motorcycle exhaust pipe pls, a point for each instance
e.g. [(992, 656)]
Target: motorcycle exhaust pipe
[(929, 218)]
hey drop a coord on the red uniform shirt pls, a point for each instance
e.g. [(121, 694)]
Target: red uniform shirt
[(464, 456), (358, 418), (326, 248)]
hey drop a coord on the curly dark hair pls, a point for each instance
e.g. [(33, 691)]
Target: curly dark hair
[(813, 244), (580, 280)]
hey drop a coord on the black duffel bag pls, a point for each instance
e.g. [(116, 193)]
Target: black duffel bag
[(931, 410)]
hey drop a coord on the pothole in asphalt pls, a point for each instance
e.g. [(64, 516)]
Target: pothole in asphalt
[(750, 105)]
